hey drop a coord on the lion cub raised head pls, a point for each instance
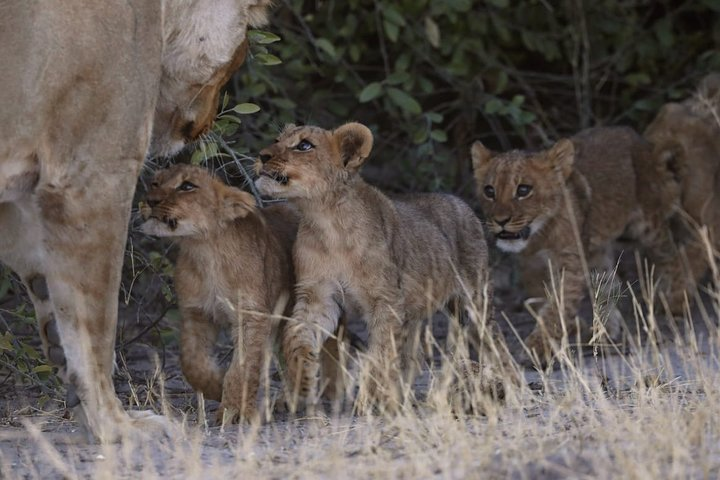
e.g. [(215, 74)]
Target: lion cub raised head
[(308, 162), (184, 200), (520, 191)]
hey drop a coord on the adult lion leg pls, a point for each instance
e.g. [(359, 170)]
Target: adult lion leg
[(82, 269), (250, 359), (315, 317)]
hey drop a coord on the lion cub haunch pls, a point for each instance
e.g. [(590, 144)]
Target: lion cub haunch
[(686, 139), (582, 192), (399, 259), (234, 269)]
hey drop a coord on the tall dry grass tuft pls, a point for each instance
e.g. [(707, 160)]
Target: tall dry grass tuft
[(646, 406)]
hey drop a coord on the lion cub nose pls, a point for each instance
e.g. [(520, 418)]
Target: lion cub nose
[(152, 202), (265, 157), (501, 223)]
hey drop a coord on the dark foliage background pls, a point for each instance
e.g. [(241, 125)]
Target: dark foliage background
[(431, 77), (428, 77)]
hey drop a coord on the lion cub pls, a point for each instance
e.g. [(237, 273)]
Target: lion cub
[(686, 138), (399, 259), (572, 200), (234, 269)]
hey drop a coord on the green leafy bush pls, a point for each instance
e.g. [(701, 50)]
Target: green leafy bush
[(430, 77)]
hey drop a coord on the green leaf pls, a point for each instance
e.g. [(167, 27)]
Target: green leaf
[(326, 46), (502, 81), (420, 136), (226, 99), (397, 78), (354, 52), (439, 136), (499, 3), (198, 157), (6, 341), (402, 63), (30, 351), (432, 31), (404, 101), (392, 15), (370, 92), (494, 105), (664, 32), (209, 148), (261, 37), (246, 108), (267, 59), (434, 117), (42, 368), (391, 30)]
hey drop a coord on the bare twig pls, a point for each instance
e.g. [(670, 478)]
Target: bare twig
[(248, 178)]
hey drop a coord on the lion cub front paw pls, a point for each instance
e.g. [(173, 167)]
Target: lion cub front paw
[(228, 414), (541, 352)]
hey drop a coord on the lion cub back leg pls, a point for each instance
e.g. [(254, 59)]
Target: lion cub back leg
[(334, 365), (198, 335), (250, 360)]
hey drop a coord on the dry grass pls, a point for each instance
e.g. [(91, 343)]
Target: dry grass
[(648, 412)]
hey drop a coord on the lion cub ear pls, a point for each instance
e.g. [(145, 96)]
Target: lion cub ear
[(235, 203), (562, 157), (480, 155), (355, 141)]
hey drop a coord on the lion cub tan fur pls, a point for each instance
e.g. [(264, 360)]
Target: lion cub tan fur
[(399, 259), (686, 138), (234, 269), (571, 200)]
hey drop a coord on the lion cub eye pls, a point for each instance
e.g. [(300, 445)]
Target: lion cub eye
[(186, 187), (154, 185), (489, 191), (304, 146), (523, 190)]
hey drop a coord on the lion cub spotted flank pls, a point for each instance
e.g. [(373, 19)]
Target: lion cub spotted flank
[(234, 259), (612, 186), (399, 259)]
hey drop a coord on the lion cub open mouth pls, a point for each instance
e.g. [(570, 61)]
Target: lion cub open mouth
[(523, 234), (278, 177)]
